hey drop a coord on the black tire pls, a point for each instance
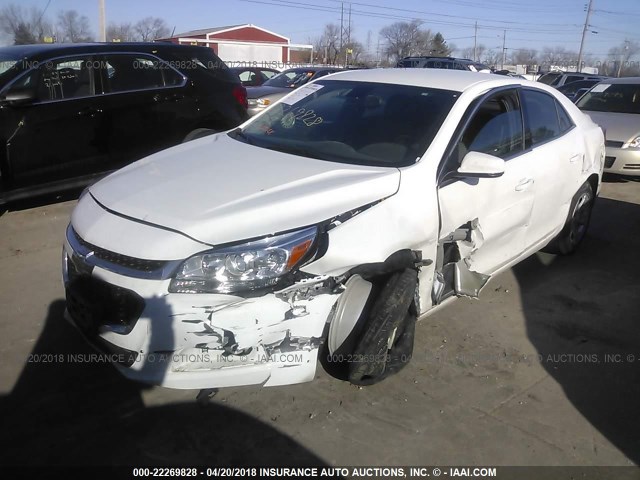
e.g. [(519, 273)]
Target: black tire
[(386, 343), (577, 224), (198, 133)]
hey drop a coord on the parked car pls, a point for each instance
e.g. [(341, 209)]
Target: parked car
[(557, 78), (322, 228), (277, 87), (70, 112), (254, 76), (614, 104), (574, 90), (445, 63)]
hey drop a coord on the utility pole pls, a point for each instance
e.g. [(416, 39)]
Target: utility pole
[(102, 29), (341, 24), (475, 43), (504, 49), (346, 54), (584, 34)]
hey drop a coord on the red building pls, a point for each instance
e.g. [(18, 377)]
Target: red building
[(242, 44)]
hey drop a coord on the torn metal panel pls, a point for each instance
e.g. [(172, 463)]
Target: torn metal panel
[(454, 275), (468, 283)]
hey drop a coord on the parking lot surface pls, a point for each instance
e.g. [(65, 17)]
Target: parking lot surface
[(543, 369)]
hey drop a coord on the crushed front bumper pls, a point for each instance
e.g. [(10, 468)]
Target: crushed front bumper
[(196, 341)]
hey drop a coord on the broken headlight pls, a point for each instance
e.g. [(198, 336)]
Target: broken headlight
[(248, 266)]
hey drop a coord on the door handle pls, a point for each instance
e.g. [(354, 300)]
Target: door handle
[(90, 112), (575, 158), (524, 184)]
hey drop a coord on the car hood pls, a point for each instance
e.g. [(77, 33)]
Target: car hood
[(218, 190), (620, 127), (264, 91)]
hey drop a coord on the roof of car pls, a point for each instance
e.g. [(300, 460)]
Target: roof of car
[(457, 80), (23, 51), (624, 80)]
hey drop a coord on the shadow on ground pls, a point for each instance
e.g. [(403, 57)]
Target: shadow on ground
[(41, 200), (73, 413), (583, 316)]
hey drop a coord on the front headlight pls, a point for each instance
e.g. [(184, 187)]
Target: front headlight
[(248, 266), (635, 143), (264, 102)]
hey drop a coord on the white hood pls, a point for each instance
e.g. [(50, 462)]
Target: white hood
[(219, 190)]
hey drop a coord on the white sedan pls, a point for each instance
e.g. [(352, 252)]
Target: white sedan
[(322, 228)]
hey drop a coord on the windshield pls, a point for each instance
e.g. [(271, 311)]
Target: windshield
[(353, 122), (290, 78), (612, 97)]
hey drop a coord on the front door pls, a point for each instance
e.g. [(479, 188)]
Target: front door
[(61, 133), (484, 220)]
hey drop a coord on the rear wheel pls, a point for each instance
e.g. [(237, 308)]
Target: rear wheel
[(576, 226)]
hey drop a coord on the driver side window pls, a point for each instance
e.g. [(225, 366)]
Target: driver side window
[(495, 129)]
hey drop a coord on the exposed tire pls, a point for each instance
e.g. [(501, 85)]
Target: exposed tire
[(577, 223), (386, 343), (198, 133)]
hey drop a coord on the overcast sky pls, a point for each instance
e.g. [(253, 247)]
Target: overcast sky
[(529, 23)]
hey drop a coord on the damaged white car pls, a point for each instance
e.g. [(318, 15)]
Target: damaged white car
[(322, 228)]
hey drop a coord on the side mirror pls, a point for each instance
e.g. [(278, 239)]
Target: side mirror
[(20, 96), (481, 165)]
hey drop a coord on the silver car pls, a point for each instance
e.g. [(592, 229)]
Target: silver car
[(614, 104), (275, 88)]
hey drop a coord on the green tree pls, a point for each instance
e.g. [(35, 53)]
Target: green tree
[(439, 46)]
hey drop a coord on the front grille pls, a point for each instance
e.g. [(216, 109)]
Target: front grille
[(608, 162), (92, 303), (632, 166), (132, 263), (613, 143)]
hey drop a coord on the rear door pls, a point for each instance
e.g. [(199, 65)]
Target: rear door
[(61, 133), (557, 151), (149, 107), (484, 220)]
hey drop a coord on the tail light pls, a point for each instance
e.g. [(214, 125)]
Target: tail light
[(240, 94)]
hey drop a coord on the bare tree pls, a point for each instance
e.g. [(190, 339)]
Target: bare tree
[(327, 45), (72, 27), (558, 57), (24, 26), (406, 38), (151, 28), (622, 55), (524, 56), (491, 57), (122, 32)]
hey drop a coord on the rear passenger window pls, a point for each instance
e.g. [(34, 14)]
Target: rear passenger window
[(133, 72), (542, 117), (564, 119)]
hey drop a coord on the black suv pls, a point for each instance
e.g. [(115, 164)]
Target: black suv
[(69, 113), (447, 63)]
